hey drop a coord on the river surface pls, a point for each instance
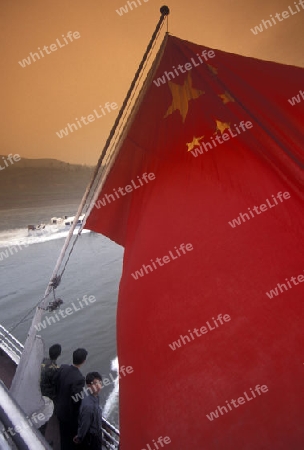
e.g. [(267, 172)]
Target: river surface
[(94, 269)]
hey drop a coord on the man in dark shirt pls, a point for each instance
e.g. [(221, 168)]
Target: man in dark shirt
[(49, 369), (89, 432), (70, 383)]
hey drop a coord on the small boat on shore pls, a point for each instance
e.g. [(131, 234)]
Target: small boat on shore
[(56, 224), (39, 227), (69, 221)]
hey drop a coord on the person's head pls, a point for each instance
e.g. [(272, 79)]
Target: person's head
[(55, 351), (94, 382), (79, 356)]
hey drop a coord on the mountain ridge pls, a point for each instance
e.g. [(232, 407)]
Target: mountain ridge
[(42, 182), (41, 162)]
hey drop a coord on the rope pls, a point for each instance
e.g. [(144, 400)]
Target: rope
[(23, 319), (111, 150), (116, 137)]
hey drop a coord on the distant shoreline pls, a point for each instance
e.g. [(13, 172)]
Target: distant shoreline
[(48, 163), (49, 187)]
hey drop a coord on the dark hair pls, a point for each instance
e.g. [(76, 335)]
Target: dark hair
[(91, 376), (55, 351), (79, 356)]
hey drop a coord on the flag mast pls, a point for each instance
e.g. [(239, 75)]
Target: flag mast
[(21, 381), (165, 11)]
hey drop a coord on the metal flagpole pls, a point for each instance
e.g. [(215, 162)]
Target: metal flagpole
[(20, 381)]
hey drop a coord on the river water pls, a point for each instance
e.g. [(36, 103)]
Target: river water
[(94, 269)]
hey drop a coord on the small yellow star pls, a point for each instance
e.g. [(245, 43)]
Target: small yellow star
[(181, 96), (221, 126), (194, 143), (226, 97), (212, 69)]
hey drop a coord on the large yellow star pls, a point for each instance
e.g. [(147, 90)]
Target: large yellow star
[(181, 96), (226, 97), (221, 126), (195, 142)]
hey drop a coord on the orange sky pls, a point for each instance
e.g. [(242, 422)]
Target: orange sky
[(42, 98)]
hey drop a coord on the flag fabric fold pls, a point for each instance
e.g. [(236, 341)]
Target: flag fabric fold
[(206, 196)]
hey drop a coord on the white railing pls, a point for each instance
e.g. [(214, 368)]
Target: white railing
[(10, 345), (11, 418), (110, 435)]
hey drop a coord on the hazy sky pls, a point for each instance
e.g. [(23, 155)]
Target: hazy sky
[(96, 68)]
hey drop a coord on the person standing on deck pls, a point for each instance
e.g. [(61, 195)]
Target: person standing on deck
[(89, 433), (69, 382), (49, 369)]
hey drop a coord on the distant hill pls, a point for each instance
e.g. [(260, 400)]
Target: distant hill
[(48, 162), (42, 182)]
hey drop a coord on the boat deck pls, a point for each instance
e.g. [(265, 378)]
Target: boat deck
[(7, 371)]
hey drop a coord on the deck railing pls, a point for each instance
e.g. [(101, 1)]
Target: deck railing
[(10, 345), (110, 435), (12, 419)]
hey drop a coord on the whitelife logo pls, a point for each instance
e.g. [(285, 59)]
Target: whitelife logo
[(53, 48), (294, 100), (146, 177), (285, 15), (242, 217), (123, 371), (27, 423), (279, 289), (124, 9), (162, 261), (236, 403), (11, 158), (91, 118), (160, 443), (184, 68), (220, 320), (221, 139), (66, 312), (11, 249)]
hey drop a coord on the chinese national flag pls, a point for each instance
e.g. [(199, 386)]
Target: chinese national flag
[(206, 196)]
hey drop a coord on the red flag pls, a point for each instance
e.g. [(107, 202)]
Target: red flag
[(206, 196)]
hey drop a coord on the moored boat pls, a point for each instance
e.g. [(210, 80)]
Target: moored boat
[(56, 224), (68, 221)]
